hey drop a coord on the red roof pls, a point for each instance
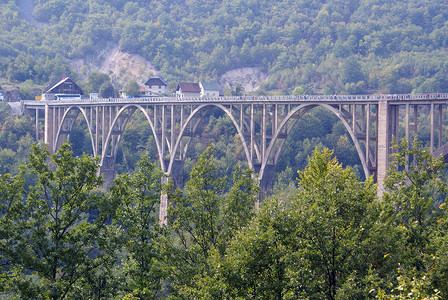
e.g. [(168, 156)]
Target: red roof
[(187, 87)]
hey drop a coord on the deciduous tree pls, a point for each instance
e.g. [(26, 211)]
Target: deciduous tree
[(53, 233)]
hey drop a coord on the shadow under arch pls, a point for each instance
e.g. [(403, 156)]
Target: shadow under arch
[(193, 115), (132, 108), (307, 107), (66, 116)]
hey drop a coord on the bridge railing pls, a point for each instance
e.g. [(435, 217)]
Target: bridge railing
[(286, 98)]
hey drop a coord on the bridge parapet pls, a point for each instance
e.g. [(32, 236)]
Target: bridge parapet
[(251, 99)]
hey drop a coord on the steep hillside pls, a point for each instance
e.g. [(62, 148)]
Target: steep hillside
[(316, 46)]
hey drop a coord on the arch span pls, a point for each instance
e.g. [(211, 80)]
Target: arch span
[(113, 130), (305, 108), (65, 121), (195, 114)]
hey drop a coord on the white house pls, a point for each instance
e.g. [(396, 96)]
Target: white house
[(185, 89), (210, 89), (156, 86)]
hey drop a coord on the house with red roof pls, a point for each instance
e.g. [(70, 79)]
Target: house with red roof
[(187, 89)]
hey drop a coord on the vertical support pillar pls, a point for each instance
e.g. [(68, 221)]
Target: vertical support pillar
[(252, 133), (407, 123), (263, 132), (383, 138), (440, 126), (407, 133), (49, 128), (163, 136), (431, 126), (368, 135), (163, 210), (37, 124), (97, 130), (172, 133), (181, 144), (103, 130)]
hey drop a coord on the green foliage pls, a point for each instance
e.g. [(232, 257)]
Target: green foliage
[(139, 196), (106, 90), (328, 237), (132, 88), (95, 82), (203, 219), (320, 244), (55, 233), (337, 221), (414, 201), (411, 288), (328, 46)]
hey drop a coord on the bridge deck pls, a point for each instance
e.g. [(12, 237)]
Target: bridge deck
[(329, 99)]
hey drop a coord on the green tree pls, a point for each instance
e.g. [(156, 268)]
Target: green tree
[(323, 243), (414, 200), (106, 90), (205, 218), (132, 88), (351, 71), (410, 287), (136, 218), (95, 80), (337, 216), (54, 233)]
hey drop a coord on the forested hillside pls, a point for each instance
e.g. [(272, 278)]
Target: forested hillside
[(315, 46)]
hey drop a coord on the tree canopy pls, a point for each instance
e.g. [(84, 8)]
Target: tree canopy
[(325, 46)]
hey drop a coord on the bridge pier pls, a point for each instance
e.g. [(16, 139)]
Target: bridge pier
[(107, 169), (176, 172), (266, 181), (49, 128), (388, 125)]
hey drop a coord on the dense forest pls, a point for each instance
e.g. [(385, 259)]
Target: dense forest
[(64, 237), (316, 46), (322, 232)]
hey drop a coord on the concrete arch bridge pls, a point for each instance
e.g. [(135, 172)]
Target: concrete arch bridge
[(263, 124)]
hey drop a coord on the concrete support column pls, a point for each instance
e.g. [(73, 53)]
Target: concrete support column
[(163, 210), (49, 128), (267, 181), (431, 143), (176, 173), (383, 144)]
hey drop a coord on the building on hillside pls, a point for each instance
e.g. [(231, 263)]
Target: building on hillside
[(210, 89), (62, 89), (156, 86), (186, 89)]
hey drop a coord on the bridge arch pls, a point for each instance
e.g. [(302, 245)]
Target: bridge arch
[(69, 120), (194, 114), (121, 112), (306, 108)]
